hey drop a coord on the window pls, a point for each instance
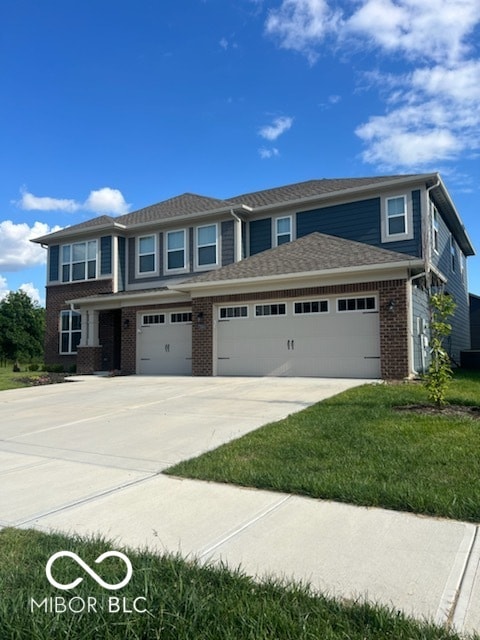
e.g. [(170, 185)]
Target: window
[(232, 312), (453, 254), (356, 304), (396, 216), (270, 310), (154, 318), (283, 230), (70, 331), (176, 258), (181, 318), (435, 228), (79, 261), (307, 308), (147, 254), (207, 254)]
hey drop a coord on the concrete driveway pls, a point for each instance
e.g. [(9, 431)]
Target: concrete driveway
[(86, 457), (65, 444)]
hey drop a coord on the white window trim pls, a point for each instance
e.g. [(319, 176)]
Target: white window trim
[(435, 228), (146, 274), (374, 310), (275, 233), (312, 313), (234, 306), (70, 331), (269, 304), (71, 262), (172, 313), (185, 268), (152, 324), (397, 237), (212, 265)]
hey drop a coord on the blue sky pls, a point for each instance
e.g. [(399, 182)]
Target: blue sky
[(109, 106)]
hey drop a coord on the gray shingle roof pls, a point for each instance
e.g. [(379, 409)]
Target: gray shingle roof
[(186, 204), (315, 252), (310, 188)]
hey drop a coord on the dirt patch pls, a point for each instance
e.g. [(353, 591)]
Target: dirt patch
[(450, 410)]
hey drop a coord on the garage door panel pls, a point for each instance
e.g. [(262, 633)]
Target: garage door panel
[(336, 344), (164, 348)]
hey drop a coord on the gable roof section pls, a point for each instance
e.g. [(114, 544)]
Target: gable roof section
[(315, 252)]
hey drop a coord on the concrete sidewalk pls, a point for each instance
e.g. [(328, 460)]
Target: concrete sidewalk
[(87, 457)]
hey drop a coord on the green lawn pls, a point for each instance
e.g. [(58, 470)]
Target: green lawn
[(16, 380), (357, 448), (183, 601)]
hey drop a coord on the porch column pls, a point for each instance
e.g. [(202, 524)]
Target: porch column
[(92, 328)]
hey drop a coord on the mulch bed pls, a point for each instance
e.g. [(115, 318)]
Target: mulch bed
[(450, 410), (46, 378)]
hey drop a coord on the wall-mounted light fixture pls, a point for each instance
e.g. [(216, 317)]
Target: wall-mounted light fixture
[(200, 317), (126, 323), (391, 306)]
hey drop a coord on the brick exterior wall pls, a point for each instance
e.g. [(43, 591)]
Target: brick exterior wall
[(393, 325), (89, 359), (55, 302)]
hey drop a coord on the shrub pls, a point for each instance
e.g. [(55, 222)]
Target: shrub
[(33, 367), (54, 368)]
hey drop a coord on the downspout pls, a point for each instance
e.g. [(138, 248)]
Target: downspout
[(238, 237), (411, 327)]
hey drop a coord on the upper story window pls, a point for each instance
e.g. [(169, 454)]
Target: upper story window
[(453, 254), (396, 216), (207, 246), (79, 261), (435, 229), (176, 254), (397, 219), (147, 251), (283, 230)]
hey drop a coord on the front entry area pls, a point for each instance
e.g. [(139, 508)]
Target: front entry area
[(164, 342), (331, 337)]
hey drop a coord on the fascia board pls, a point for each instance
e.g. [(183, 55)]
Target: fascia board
[(131, 299), (456, 216), (66, 233), (304, 275)]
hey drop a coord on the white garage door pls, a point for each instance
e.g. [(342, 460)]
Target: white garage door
[(164, 343), (334, 337)]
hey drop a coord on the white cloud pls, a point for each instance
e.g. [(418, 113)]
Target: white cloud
[(431, 112), (106, 201), (16, 250), (29, 202), (276, 129), (265, 153), (31, 291), (224, 44), (102, 201), (301, 25), (4, 290)]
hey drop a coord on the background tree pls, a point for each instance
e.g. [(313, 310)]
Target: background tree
[(22, 327), (439, 374)]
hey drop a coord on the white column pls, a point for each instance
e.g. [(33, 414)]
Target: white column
[(92, 328)]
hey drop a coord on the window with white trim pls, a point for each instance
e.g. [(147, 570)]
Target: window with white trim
[(310, 307), (70, 331), (225, 313), (453, 254), (153, 318), (207, 246), (147, 250), (435, 228), (79, 261), (183, 317), (396, 210), (283, 230), (176, 250), (263, 310), (357, 304)]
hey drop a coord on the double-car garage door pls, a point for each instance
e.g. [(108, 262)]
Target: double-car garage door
[(331, 337)]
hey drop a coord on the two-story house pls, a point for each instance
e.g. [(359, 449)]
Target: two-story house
[(320, 278)]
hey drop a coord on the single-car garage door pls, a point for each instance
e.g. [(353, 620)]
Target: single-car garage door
[(334, 337), (164, 343)]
